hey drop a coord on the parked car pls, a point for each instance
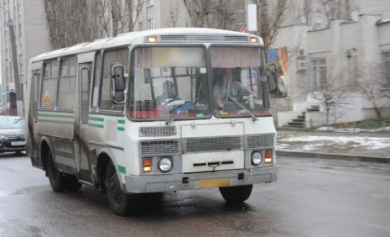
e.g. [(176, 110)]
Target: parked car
[(12, 137)]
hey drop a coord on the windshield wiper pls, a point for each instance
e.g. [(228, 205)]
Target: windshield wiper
[(242, 107)]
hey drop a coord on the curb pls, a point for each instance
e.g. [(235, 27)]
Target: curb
[(332, 156)]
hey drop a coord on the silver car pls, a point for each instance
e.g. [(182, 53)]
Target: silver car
[(12, 134)]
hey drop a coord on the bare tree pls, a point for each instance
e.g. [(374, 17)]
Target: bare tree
[(222, 15), (74, 21), (198, 11), (116, 16), (100, 18), (209, 13), (133, 11), (329, 9), (64, 18), (333, 92), (173, 14), (269, 19), (371, 86), (307, 8)]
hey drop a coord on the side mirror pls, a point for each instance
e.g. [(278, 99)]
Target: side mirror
[(118, 82)]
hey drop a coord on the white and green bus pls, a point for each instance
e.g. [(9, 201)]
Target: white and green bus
[(95, 115)]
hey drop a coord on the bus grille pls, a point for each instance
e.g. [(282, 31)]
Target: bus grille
[(204, 144), (157, 131), (259, 141), (160, 147), (212, 144)]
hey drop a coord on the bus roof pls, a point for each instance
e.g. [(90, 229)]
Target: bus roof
[(165, 35)]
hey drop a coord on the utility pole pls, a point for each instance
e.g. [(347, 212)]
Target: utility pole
[(18, 91)]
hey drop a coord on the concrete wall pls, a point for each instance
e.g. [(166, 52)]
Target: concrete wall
[(36, 30), (380, 7), (295, 39)]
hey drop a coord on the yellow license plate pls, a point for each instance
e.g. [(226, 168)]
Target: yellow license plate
[(213, 183)]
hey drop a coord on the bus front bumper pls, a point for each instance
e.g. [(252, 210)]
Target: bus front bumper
[(192, 181)]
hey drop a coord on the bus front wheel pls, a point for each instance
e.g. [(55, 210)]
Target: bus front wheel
[(236, 194), (120, 203), (56, 177)]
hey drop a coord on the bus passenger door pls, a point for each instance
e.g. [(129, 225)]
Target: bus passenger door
[(84, 161), (32, 130)]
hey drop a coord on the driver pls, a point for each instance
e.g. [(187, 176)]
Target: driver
[(169, 92), (225, 87)]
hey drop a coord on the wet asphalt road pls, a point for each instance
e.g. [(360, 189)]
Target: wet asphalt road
[(312, 197)]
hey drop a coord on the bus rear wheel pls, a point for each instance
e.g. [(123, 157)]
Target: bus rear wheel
[(57, 179), (121, 204), (236, 194)]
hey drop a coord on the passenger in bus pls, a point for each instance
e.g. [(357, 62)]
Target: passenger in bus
[(225, 88), (169, 92)]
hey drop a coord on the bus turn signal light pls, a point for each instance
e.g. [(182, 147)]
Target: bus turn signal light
[(147, 165), (268, 156)]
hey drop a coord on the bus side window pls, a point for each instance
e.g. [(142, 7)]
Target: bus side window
[(49, 85), (96, 80), (106, 98), (66, 84), (35, 82)]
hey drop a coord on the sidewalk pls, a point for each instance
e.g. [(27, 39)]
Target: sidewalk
[(371, 146)]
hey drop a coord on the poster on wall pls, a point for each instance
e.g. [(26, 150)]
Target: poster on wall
[(278, 57)]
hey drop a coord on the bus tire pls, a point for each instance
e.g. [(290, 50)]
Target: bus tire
[(236, 194), (56, 177), (120, 203)]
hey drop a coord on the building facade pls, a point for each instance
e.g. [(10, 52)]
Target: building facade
[(344, 59), (312, 44), (28, 20)]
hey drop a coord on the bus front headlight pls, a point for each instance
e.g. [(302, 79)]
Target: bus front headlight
[(165, 164), (256, 158)]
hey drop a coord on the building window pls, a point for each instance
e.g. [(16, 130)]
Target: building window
[(386, 62), (319, 74), (150, 24)]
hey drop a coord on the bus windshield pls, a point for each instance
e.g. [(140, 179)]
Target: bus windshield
[(169, 83), (237, 85)]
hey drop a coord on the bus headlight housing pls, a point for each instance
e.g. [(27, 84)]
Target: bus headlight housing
[(165, 164), (256, 158)]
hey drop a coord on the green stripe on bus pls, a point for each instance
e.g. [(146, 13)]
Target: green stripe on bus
[(55, 121), (121, 129), (122, 169), (96, 125), (96, 119), (55, 115), (64, 154), (121, 121)]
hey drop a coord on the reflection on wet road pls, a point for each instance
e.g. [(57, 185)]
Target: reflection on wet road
[(311, 198)]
